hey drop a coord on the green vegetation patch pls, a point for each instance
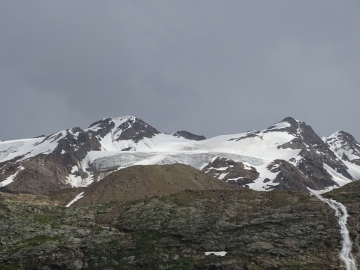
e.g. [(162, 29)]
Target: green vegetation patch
[(40, 239), (46, 219)]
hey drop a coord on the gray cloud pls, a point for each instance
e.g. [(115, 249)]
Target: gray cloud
[(210, 67)]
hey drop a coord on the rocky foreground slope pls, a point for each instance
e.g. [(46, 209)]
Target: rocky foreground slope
[(257, 230), (288, 155), (146, 217)]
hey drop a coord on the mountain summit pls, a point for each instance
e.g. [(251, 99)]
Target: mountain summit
[(287, 155)]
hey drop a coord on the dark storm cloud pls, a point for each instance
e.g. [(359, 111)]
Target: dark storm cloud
[(210, 67)]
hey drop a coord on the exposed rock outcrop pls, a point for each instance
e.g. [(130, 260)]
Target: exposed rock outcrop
[(258, 230), (190, 136)]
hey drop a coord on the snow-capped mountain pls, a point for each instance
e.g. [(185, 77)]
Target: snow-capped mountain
[(346, 148), (287, 155)]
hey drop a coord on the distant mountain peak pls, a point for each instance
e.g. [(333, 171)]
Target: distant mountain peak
[(288, 122), (123, 128), (345, 147), (291, 120), (343, 135), (115, 120)]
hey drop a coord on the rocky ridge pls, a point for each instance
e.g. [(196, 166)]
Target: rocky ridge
[(346, 148), (187, 135), (288, 155)]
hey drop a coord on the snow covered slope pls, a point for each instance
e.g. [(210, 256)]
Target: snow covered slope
[(287, 155), (347, 149), (257, 151)]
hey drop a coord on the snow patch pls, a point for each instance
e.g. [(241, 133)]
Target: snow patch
[(216, 253), (337, 177), (73, 179), (222, 176), (259, 183), (280, 125), (78, 197), (11, 178), (235, 179), (27, 148)]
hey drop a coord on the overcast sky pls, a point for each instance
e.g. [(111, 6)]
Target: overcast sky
[(209, 67)]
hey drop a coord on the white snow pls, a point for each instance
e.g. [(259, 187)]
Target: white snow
[(11, 178), (163, 148), (259, 183), (255, 149), (341, 213), (234, 179), (73, 179), (78, 197), (353, 170), (222, 176), (337, 177), (280, 125), (322, 191), (255, 152), (340, 148), (27, 148), (76, 180), (218, 169), (217, 253)]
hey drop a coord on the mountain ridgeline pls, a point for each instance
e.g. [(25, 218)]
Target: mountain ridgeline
[(288, 155), (123, 195)]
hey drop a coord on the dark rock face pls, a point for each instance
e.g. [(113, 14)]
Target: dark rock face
[(291, 178), (189, 136), (103, 126), (132, 128), (315, 153), (135, 129), (235, 172), (273, 230), (314, 150)]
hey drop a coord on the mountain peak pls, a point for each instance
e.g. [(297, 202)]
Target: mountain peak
[(342, 134), (288, 123), (342, 138), (347, 148), (292, 121), (116, 120), (123, 128)]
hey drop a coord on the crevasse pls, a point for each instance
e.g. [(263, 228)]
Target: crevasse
[(341, 213)]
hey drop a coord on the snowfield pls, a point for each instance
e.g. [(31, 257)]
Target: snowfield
[(255, 149), (167, 149)]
